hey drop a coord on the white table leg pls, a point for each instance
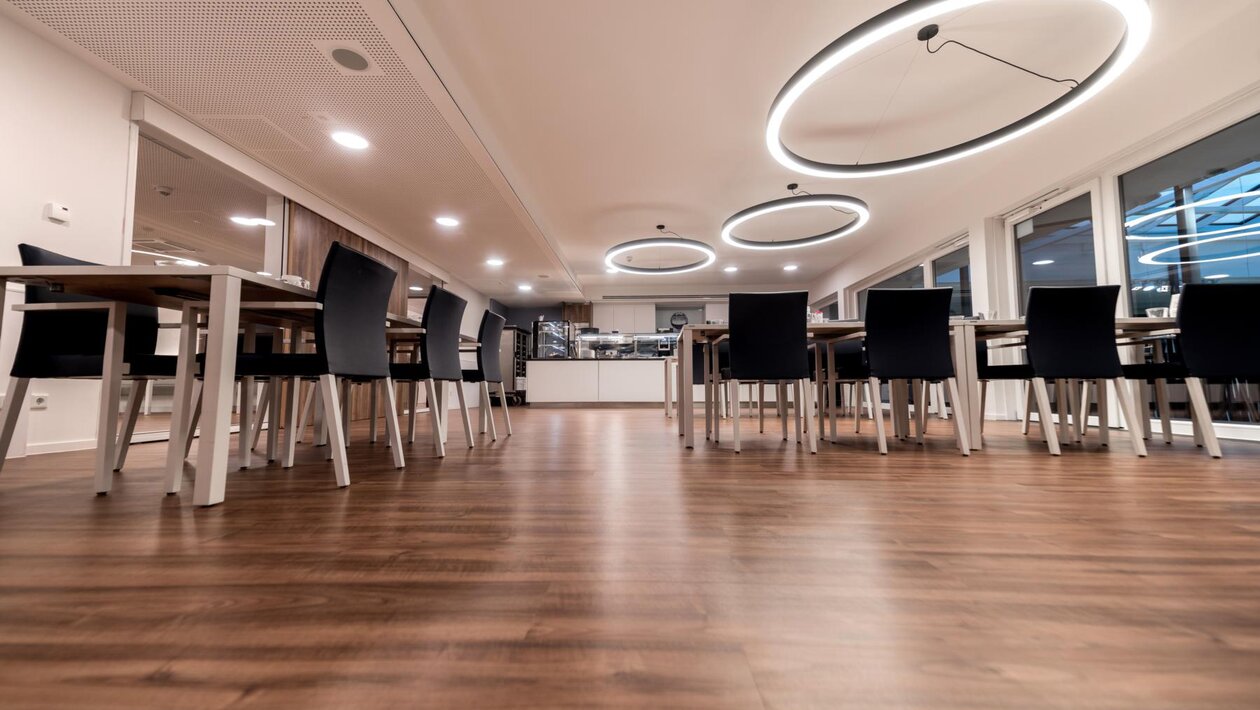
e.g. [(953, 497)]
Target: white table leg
[(686, 413), (212, 455), (111, 390)]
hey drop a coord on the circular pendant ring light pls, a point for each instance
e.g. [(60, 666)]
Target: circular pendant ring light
[(843, 202), (672, 242), (1151, 258), (1143, 219), (912, 14)]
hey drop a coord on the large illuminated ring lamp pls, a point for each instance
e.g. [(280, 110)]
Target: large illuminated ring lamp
[(911, 15), (843, 202), (1152, 259), (1143, 219), (658, 242)]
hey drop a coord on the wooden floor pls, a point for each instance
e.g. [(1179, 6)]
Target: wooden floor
[(590, 561)]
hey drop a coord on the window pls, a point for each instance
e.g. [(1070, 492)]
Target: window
[(1193, 216), (1056, 247), (910, 278), (954, 271)]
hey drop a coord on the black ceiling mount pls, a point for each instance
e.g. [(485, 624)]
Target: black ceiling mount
[(792, 186), (928, 32)]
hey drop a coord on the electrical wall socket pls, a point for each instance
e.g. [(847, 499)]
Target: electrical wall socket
[(39, 401)]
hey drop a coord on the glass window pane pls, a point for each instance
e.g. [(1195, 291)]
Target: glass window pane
[(1193, 216), (910, 278), (954, 270), (1056, 248)]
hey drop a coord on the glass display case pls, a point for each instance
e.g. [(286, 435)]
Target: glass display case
[(625, 346)]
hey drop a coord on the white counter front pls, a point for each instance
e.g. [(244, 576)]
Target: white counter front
[(595, 381)]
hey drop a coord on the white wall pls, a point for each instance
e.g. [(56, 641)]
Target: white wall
[(67, 139)]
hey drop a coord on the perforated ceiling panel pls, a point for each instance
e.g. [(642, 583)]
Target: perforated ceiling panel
[(257, 74)]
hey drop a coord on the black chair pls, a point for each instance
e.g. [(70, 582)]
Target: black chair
[(66, 336), (353, 295), (489, 371), (1218, 342), (437, 352), (907, 338), (1072, 336), (769, 344)]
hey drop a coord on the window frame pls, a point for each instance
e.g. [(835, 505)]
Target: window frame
[(925, 259), (1015, 280)]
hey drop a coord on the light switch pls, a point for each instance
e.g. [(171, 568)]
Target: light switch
[(57, 213)]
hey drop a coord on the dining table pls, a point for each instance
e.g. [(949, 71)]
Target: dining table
[(964, 335), (216, 299)]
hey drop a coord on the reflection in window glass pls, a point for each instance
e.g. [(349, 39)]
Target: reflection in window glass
[(1056, 248), (1193, 216), (910, 278), (954, 271)]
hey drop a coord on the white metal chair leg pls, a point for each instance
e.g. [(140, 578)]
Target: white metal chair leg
[(1045, 417), (811, 437), (734, 386), (14, 402), (259, 407), (373, 409), (1129, 407), (304, 419), (274, 417), (1203, 416), (347, 407), (246, 438), (798, 412), (413, 403), (984, 397), (391, 422), (435, 418), (507, 418), (194, 416), (873, 385), (1165, 416), (780, 396), (463, 411), (1028, 407), (111, 395), (336, 431), (488, 410), (960, 424), (920, 391), (292, 419), (1104, 418), (761, 407), (135, 401)]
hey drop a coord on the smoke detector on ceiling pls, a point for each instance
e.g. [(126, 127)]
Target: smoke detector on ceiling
[(348, 57)]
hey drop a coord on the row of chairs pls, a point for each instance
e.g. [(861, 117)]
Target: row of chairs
[(350, 346), (1071, 339)]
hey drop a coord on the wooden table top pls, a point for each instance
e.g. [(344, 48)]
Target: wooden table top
[(162, 286), (986, 328)]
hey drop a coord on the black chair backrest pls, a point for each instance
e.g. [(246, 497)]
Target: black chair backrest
[(907, 333), (354, 289), (490, 335), (50, 334), (1220, 330), (439, 346), (768, 336), (1072, 332)]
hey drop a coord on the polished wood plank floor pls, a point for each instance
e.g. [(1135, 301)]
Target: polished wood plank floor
[(590, 561)]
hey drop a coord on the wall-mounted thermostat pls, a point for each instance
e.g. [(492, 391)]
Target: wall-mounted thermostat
[(57, 212)]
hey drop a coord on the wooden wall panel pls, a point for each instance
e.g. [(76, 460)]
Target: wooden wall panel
[(310, 237)]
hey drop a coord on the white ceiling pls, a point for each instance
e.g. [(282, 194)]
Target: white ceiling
[(558, 128), (611, 117)]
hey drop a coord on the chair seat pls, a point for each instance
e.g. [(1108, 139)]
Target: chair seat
[(1005, 372), (477, 376), (280, 365), (412, 371), (152, 366), (1155, 371)]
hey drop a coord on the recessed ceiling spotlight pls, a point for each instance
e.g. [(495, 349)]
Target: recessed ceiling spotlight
[(253, 221), (1043, 262), (350, 140), (790, 267), (415, 288), (524, 287), (731, 269), (494, 262), (447, 221), (914, 14)]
